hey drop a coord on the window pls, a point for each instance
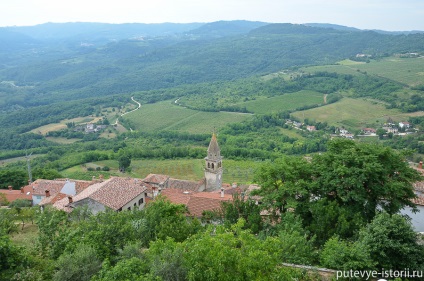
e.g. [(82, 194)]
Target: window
[(129, 208), (209, 165), (141, 201), (135, 205), (213, 166)]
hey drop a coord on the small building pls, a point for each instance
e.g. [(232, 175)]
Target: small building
[(369, 131), (11, 194), (311, 128), (116, 193), (405, 125), (198, 202)]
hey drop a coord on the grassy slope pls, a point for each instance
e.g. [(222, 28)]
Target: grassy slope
[(167, 116), (353, 113), (284, 102), (190, 169), (408, 71)]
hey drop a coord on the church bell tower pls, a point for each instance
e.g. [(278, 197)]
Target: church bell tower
[(213, 166)]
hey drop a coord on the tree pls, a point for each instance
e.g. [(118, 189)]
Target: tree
[(246, 208), (343, 255), (380, 133), (13, 177), (80, 265), (12, 259), (393, 243), (282, 183), (124, 161), (362, 177)]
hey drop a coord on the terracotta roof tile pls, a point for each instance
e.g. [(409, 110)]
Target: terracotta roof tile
[(12, 195), (116, 192), (184, 184), (155, 178), (196, 202)]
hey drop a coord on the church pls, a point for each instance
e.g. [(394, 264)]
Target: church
[(127, 194)]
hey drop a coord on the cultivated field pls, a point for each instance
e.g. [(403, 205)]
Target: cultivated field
[(352, 113), (167, 116), (62, 125), (189, 169), (283, 102), (408, 71)]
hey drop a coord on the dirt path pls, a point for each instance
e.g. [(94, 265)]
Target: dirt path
[(325, 98), (117, 119)]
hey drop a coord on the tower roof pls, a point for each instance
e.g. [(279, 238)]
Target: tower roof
[(213, 148)]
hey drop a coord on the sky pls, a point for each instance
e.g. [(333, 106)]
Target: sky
[(391, 15)]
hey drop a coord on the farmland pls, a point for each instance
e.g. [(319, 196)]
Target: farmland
[(284, 102), (189, 169), (167, 116), (409, 71), (352, 113)]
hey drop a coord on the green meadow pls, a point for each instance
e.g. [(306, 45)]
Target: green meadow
[(409, 71), (284, 102), (352, 113), (241, 172), (168, 116)]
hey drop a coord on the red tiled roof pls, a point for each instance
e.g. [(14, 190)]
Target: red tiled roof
[(40, 186), (196, 202), (419, 200), (53, 199), (156, 178), (184, 184), (116, 192), (63, 204), (12, 195)]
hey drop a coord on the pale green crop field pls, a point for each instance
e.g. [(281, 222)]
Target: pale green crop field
[(353, 113), (284, 102), (167, 116), (408, 71)]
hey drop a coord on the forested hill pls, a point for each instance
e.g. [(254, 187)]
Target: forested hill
[(74, 69)]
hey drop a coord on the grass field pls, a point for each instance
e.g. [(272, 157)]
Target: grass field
[(408, 71), (283, 102), (353, 113), (167, 116), (62, 125), (189, 169)]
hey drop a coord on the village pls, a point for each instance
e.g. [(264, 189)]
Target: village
[(126, 193)]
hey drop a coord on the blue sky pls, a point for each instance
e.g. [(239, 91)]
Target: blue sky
[(365, 14)]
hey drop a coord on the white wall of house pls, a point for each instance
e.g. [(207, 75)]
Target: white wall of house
[(417, 219), (36, 199), (137, 203)]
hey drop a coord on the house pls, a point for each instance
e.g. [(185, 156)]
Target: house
[(390, 129), (343, 132), (11, 195), (45, 191), (115, 194), (369, 131), (197, 202), (405, 125), (311, 128)]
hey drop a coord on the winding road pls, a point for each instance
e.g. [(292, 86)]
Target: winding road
[(117, 119)]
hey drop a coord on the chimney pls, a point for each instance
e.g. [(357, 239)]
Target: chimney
[(70, 199), (47, 193), (101, 177), (29, 182), (22, 190), (222, 192), (420, 165), (10, 187)]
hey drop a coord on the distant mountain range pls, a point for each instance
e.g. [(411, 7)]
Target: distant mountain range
[(79, 60)]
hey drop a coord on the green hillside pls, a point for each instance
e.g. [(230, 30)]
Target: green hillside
[(166, 115)]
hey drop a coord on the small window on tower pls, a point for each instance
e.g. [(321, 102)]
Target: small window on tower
[(209, 165), (213, 167)]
